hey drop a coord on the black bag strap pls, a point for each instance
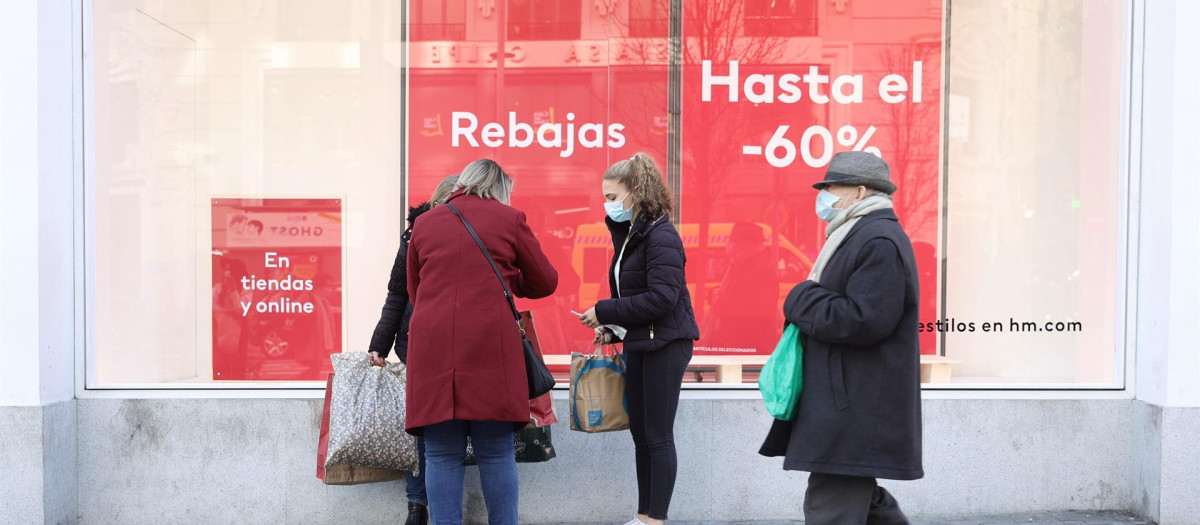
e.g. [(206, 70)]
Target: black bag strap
[(482, 248)]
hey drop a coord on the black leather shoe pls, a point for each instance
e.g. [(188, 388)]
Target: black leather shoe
[(417, 514)]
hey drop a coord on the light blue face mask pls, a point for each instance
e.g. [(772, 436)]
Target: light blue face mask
[(616, 210), (825, 202)]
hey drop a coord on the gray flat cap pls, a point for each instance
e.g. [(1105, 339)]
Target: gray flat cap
[(858, 168)]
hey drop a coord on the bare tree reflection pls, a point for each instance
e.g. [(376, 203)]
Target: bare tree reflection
[(713, 30), (914, 130)]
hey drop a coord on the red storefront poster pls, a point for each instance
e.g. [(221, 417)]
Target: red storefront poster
[(276, 288), (569, 95), (771, 90), (768, 91)]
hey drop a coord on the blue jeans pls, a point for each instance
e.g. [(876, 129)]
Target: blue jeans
[(414, 484), (445, 449)]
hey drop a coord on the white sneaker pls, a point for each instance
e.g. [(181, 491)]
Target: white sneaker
[(635, 521)]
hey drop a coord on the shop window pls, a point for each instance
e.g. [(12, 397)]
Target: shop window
[(1033, 207), (245, 160), (438, 20), (1016, 236), (544, 19), (249, 192)]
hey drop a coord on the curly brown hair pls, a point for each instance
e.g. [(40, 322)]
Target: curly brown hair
[(645, 181)]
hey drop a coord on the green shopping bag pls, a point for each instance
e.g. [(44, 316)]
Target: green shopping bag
[(783, 375)]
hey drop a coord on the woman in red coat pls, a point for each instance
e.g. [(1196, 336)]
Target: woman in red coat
[(465, 359)]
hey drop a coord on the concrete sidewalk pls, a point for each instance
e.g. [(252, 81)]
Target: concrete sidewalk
[(1059, 517)]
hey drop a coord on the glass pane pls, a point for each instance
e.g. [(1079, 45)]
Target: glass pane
[(562, 111), (752, 89), (247, 183), (1032, 202)]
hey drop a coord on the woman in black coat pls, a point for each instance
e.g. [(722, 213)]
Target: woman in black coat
[(651, 314), (392, 329)]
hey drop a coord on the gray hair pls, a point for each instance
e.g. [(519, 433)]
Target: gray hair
[(871, 192), (444, 189), (485, 179)]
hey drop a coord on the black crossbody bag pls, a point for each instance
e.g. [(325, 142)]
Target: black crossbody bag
[(539, 377)]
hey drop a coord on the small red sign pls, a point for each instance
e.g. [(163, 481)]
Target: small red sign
[(276, 288)]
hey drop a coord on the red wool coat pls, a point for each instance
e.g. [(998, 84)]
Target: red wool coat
[(465, 359)]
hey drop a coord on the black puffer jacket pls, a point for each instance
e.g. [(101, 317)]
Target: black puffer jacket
[(397, 308), (653, 302)]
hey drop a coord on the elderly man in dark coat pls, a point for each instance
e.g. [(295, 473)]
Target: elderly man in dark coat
[(860, 411)]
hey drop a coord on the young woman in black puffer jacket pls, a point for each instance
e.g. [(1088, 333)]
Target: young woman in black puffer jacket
[(392, 329), (650, 313)]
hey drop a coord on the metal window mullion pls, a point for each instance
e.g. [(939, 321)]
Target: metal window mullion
[(675, 106), (944, 263)]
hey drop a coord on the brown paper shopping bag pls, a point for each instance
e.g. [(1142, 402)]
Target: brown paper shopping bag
[(597, 398)]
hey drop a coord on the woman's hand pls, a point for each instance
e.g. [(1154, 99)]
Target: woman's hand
[(375, 359), (588, 318), (603, 337)]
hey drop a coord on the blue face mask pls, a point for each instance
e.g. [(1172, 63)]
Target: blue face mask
[(825, 202), (616, 210)]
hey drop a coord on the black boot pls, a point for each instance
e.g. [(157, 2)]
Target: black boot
[(417, 514)]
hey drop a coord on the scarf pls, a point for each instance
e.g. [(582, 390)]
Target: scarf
[(840, 227)]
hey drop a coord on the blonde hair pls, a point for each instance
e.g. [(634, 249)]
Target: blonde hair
[(443, 191), (485, 179), (641, 176)]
